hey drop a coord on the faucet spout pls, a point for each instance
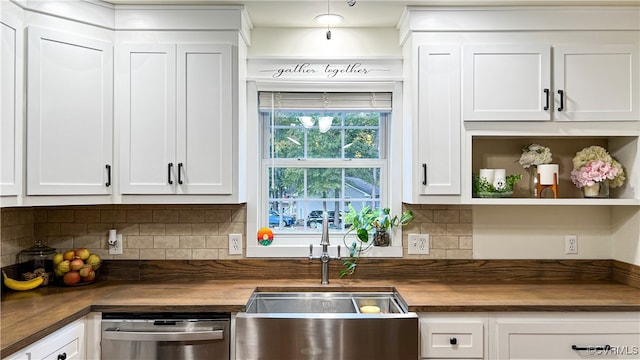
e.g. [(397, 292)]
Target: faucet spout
[(324, 256), (324, 239)]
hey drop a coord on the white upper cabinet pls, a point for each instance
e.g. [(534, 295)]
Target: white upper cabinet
[(145, 108), (10, 105), (175, 107), (591, 82), (598, 82), (507, 82), (69, 114), (439, 120)]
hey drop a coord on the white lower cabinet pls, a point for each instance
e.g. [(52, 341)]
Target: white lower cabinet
[(530, 335), (453, 336), (67, 343), (565, 336)]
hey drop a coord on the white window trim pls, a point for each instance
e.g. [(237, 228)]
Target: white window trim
[(255, 181)]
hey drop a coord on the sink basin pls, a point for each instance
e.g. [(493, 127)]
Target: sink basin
[(326, 325), (323, 302)]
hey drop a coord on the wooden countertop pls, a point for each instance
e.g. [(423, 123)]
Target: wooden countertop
[(29, 316)]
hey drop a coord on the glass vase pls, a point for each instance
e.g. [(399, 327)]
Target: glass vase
[(597, 190), (381, 238), (533, 181)]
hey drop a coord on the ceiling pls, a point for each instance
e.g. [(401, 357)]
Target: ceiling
[(365, 13)]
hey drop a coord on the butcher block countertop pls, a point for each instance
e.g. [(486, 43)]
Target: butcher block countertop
[(29, 316)]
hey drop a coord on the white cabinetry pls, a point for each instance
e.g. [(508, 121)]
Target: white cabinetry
[(566, 336), (11, 73), (507, 82), (69, 114), (175, 107), (453, 336), (591, 82), (599, 82), (439, 119), (67, 343), (436, 115), (530, 335)]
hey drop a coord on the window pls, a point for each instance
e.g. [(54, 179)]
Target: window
[(295, 172), (321, 152)]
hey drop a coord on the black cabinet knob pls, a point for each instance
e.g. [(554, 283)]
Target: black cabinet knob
[(453, 341), (62, 356)]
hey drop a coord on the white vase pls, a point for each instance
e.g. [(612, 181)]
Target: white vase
[(597, 190)]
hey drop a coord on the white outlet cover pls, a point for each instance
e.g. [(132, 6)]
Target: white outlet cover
[(235, 244), (418, 244)]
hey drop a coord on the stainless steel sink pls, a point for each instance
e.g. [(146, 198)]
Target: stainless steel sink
[(323, 302), (326, 325)]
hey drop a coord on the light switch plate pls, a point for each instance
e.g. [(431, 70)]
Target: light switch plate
[(418, 244), (235, 244)]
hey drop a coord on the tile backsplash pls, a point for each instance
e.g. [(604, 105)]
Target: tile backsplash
[(190, 232)]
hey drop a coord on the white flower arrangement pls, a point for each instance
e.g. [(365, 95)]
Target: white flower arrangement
[(594, 164), (534, 155)]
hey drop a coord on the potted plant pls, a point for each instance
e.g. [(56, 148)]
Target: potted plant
[(363, 223), (594, 171)]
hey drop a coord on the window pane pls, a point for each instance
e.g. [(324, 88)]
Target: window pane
[(361, 144), (289, 143), (324, 183), (326, 145)]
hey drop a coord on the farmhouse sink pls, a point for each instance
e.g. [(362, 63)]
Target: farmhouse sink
[(324, 303), (326, 325)]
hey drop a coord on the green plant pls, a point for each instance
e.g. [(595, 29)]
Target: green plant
[(481, 185), (362, 223)]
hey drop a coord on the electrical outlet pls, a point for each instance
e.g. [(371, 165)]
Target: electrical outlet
[(418, 244), (571, 244), (115, 245), (235, 244)]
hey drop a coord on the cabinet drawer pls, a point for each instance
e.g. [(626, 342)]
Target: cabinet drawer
[(452, 340), (68, 340), (556, 340)]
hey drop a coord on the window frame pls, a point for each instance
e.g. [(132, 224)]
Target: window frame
[(284, 245)]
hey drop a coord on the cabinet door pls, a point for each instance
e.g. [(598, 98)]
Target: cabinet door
[(506, 82), (67, 343), (439, 120), (146, 113), (205, 119), (599, 82), (69, 113), (10, 106), (556, 340)]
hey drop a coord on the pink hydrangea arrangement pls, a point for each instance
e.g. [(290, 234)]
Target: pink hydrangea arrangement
[(593, 165), (593, 172)]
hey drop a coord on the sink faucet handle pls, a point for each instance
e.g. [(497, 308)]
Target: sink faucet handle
[(338, 252), (310, 252)]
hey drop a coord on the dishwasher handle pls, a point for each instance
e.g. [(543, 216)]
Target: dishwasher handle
[(114, 334)]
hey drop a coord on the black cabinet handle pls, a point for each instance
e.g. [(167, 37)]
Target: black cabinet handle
[(424, 174), (108, 183), (62, 356), (180, 165), (591, 348), (453, 341), (561, 93), (169, 168), (546, 92)]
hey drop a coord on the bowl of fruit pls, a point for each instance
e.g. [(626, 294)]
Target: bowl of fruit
[(76, 267)]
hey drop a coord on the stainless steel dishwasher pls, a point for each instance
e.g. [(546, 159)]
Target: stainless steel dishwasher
[(156, 336)]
